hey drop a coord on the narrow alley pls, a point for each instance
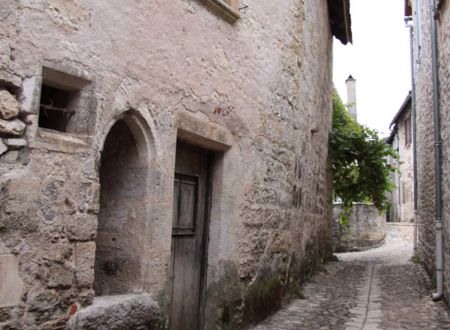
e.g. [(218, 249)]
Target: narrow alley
[(375, 289)]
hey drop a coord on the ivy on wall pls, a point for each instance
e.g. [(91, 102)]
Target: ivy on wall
[(361, 172)]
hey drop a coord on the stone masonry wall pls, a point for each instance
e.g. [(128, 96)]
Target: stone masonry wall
[(406, 171), (366, 228), (425, 141), (444, 81), (402, 197), (261, 87)]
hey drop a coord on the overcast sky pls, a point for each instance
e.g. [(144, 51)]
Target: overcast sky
[(378, 60)]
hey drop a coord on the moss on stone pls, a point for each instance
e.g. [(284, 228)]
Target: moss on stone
[(263, 298), (224, 299)]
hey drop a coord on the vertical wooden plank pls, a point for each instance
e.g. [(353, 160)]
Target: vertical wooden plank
[(175, 207), (188, 200), (189, 237)]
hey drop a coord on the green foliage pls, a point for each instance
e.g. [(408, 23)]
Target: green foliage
[(415, 259), (361, 172)]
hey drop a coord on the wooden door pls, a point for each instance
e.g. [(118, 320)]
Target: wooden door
[(189, 236)]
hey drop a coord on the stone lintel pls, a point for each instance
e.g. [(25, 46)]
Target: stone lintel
[(203, 133)]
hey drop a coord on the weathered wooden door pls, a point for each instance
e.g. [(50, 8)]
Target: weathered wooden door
[(189, 236)]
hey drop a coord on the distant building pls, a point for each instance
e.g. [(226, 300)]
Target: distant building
[(402, 197)]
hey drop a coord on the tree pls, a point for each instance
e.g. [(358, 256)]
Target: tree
[(361, 171)]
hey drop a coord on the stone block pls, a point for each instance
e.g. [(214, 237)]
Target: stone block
[(12, 127), (10, 78), (4, 249), (82, 227), (10, 283), (10, 157), (84, 264), (133, 311), (15, 143), (60, 276), (29, 95), (28, 118), (9, 107), (3, 147), (59, 253), (86, 296), (27, 188), (91, 198), (40, 299)]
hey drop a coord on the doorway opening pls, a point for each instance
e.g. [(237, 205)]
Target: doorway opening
[(190, 228)]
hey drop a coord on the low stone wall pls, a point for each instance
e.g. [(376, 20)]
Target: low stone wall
[(366, 228)]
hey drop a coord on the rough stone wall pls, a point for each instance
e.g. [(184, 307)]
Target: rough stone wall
[(402, 197), (444, 77), (366, 228), (260, 86), (406, 170), (425, 147)]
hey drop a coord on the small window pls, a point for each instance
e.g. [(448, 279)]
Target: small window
[(66, 102), (408, 133), (54, 111)]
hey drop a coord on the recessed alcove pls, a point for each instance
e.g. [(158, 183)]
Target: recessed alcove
[(121, 222)]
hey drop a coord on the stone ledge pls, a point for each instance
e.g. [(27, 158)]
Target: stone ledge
[(58, 141), (128, 311)]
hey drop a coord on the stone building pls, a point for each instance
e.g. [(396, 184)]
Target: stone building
[(432, 97), (163, 163), (400, 139)]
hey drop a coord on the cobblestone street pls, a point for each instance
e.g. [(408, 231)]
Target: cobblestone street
[(376, 289)]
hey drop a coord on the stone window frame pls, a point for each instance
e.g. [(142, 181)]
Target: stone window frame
[(79, 86), (228, 9), (408, 131), (68, 76)]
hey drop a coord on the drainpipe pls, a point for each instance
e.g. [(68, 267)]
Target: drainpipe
[(437, 158), (410, 25)]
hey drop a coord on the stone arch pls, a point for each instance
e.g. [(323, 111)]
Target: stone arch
[(126, 167)]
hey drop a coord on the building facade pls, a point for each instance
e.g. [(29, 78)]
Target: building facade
[(402, 197), (165, 155), (433, 133)]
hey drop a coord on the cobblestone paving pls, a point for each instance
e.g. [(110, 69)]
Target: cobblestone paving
[(375, 289)]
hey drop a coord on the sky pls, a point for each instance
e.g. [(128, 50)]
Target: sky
[(378, 60)]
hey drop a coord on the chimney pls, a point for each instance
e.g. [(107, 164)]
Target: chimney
[(351, 96)]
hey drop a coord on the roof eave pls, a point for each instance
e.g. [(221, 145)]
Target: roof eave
[(402, 109), (340, 20)]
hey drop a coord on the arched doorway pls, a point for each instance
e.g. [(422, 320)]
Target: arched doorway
[(121, 226)]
